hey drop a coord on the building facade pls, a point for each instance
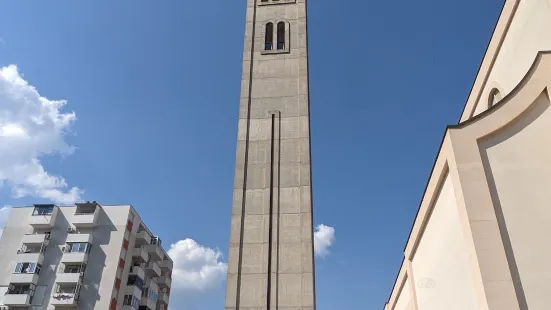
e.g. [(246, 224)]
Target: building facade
[(82, 257), (480, 238), (271, 253)]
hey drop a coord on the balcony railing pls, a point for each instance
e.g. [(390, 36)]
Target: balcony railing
[(44, 216), (164, 281), (86, 214), (153, 269), (64, 299), (154, 251), (77, 237), (69, 277), (30, 257), (16, 300), (138, 270), (37, 238), (22, 278)]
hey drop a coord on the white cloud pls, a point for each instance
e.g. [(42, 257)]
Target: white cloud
[(324, 236), (31, 126), (196, 267), (4, 212)]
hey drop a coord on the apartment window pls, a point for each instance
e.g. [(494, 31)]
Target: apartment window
[(269, 37), (494, 97), (150, 293), (118, 283), (156, 240), (121, 263), (33, 248), (27, 268), (125, 244), (78, 247), (280, 35), (74, 268), (135, 281), (131, 300), (43, 210), (17, 289), (66, 288)]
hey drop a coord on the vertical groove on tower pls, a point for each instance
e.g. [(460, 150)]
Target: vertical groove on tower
[(271, 220), (246, 162)]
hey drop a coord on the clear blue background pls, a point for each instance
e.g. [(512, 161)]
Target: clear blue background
[(155, 86)]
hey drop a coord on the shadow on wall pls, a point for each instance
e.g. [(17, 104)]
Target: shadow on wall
[(96, 263), (523, 121)]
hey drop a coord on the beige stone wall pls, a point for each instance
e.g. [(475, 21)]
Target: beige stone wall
[(440, 264), (404, 300), (527, 34), (517, 161), (491, 252)]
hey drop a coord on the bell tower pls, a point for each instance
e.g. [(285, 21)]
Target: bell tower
[(271, 254)]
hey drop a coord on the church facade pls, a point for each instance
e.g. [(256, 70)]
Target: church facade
[(480, 240)]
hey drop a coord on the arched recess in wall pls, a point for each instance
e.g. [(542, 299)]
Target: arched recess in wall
[(494, 96), (281, 35), (269, 37)]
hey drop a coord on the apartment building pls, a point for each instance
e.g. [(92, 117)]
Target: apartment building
[(85, 256)]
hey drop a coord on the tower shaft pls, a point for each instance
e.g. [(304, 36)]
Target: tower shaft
[(271, 257)]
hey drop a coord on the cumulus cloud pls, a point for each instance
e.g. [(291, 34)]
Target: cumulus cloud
[(31, 126), (4, 212), (324, 236), (196, 267)]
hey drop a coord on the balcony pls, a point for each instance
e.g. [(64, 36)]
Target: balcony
[(166, 264), (143, 237), (64, 299), (140, 253), (30, 257), (75, 237), (36, 238), (43, 216), (134, 290), (76, 252), (148, 303), (22, 278), (69, 277), (138, 270), (74, 257), (152, 269), (163, 298), (17, 300), (67, 294), (154, 251), (86, 214), (164, 282)]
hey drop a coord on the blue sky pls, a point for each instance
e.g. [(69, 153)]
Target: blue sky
[(154, 87)]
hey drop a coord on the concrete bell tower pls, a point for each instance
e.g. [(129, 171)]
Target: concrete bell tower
[(271, 254)]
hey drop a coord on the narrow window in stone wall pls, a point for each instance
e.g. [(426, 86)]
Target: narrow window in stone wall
[(269, 37), (280, 35), (494, 97)]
